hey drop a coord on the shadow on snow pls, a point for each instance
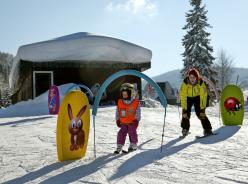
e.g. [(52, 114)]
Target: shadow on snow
[(148, 157), (22, 121), (131, 165)]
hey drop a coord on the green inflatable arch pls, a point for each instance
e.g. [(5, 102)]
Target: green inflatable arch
[(122, 73), (117, 75)]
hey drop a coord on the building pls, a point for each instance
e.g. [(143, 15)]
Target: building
[(169, 92), (80, 58)]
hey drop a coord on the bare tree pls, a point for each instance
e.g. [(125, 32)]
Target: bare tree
[(224, 67)]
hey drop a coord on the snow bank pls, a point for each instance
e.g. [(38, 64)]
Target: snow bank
[(35, 107), (150, 103)]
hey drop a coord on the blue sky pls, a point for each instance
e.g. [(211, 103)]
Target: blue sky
[(154, 24)]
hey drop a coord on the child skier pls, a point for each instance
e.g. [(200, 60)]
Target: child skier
[(127, 117), (194, 92)]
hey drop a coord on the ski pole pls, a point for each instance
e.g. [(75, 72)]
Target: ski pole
[(94, 136), (219, 113), (237, 80), (161, 149), (178, 103), (179, 113)]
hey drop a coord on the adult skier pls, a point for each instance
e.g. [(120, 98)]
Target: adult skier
[(193, 91)]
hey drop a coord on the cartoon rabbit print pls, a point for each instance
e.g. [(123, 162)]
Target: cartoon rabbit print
[(75, 128)]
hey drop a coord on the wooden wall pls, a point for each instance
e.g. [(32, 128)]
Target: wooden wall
[(74, 72)]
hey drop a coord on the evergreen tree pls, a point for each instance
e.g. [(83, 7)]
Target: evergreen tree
[(6, 61), (5, 99), (198, 51)]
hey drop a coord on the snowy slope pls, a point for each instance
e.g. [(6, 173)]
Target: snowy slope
[(28, 151), (175, 77)]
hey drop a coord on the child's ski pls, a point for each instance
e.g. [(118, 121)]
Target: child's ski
[(123, 151), (129, 151), (116, 152)]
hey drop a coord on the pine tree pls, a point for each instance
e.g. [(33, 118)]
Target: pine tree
[(198, 52), (6, 61)]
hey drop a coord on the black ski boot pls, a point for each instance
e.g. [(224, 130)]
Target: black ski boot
[(207, 132), (185, 132)]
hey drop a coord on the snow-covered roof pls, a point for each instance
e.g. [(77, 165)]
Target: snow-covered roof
[(80, 47), (84, 47)]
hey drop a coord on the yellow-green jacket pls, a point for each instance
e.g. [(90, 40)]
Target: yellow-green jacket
[(188, 90)]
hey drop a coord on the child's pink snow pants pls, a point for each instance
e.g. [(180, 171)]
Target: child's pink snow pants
[(131, 130)]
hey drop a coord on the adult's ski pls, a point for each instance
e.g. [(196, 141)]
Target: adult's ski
[(203, 136)]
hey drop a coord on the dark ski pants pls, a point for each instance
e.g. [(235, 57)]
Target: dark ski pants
[(185, 124)]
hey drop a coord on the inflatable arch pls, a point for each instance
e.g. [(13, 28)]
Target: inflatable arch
[(82, 86), (120, 74)]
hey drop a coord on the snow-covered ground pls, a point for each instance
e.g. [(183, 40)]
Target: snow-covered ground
[(28, 152)]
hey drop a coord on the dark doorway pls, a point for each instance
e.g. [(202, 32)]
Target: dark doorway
[(42, 82)]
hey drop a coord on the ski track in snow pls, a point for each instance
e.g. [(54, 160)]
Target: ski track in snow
[(28, 152)]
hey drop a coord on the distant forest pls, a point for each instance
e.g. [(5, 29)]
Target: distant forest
[(6, 61)]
